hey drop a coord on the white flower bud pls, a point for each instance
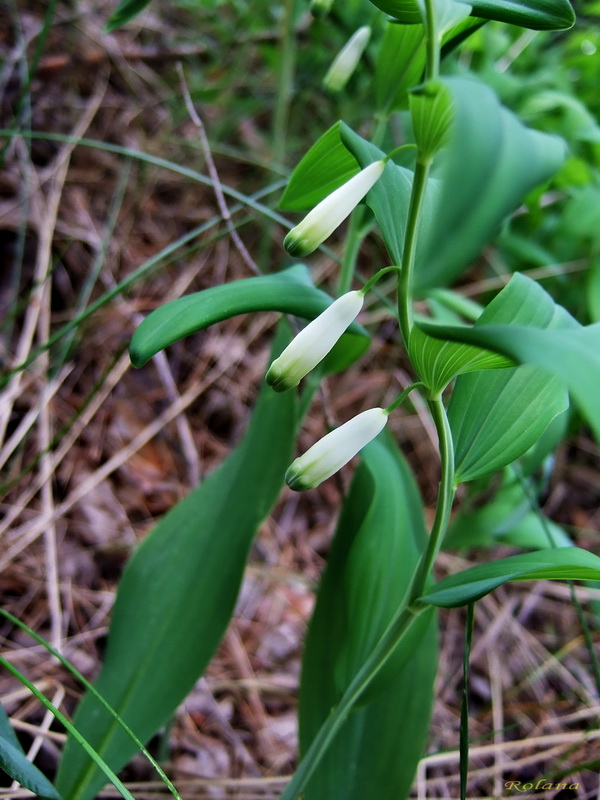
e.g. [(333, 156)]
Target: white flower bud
[(313, 342), (331, 212), (334, 450), (346, 61)]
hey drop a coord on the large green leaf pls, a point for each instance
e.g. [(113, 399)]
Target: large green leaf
[(14, 762), (496, 416), (542, 15), (399, 67), (177, 594), (491, 163), (564, 563), (437, 362), (325, 167), (569, 351), (377, 543), (289, 291), (539, 15), (389, 199)]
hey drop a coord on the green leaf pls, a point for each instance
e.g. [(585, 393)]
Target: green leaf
[(567, 350), (17, 766), (564, 563), (539, 15), (459, 33), (125, 11), (389, 199), (431, 114), (406, 11), (491, 163), (400, 66), (177, 594), (437, 362), (506, 518), (497, 416), (325, 167), (289, 291), (375, 549)]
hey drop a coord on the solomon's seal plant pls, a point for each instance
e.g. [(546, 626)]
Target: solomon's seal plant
[(441, 165)]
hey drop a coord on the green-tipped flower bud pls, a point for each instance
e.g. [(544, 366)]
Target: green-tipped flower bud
[(334, 450), (313, 343), (346, 61), (331, 212)]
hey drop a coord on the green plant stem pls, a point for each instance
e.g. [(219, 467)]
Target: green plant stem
[(410, 609), (287, 62), (405, 312), (432, 66), (444, 500), (390, 639)]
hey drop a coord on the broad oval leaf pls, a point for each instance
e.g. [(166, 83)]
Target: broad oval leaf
[(377, 542), (289, 291), (15, 763), (491, 163), (326, 167), (568, 350), (564, 563), (496, 416), (400, 66), (539, 15), (177, 594), (438, 362)]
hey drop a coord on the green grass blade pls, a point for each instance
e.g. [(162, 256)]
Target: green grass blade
[(72, 729), (464, 706), (15, 763), (74, 671)]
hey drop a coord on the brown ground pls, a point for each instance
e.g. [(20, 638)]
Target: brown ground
[(95, 454)]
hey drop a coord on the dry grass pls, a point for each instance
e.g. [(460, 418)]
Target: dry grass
[(93, 452)]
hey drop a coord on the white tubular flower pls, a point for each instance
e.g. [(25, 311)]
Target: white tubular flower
[(313, 342), (331, 212), (334, 450), (346, 61)]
